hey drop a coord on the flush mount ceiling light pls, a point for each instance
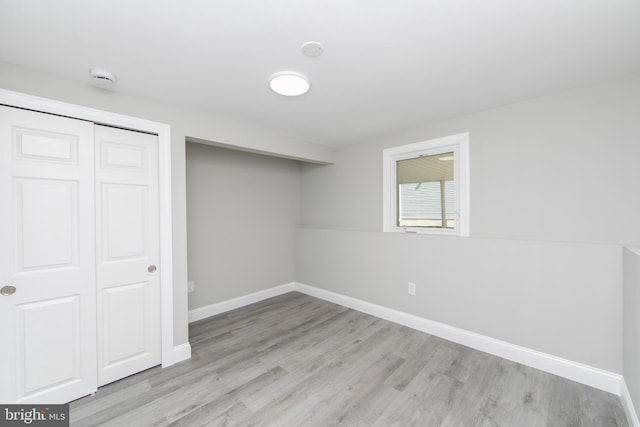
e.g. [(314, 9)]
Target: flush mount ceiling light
[(101, 77), (288, 83)]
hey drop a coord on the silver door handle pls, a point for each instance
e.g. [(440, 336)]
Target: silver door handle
[(7, 290), (151, 268)]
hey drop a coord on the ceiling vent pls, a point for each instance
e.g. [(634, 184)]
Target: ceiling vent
[(101, 77)]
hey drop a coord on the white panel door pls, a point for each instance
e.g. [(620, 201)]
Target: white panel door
[(127, 251), (47, 258)]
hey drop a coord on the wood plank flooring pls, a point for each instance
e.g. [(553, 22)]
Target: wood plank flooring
[(295, 360)]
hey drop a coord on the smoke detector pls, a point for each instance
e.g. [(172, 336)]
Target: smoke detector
[(101, 77), (312, 49)]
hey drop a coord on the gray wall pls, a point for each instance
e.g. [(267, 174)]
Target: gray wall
[(242, 212), (562, 168), (631, 352), (564, 299)]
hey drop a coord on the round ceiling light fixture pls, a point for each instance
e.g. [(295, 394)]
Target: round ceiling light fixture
[(101, 77), (289, 83)]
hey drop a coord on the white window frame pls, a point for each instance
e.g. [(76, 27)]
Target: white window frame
[(459, 145)]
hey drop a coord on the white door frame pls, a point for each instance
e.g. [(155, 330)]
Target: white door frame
[(17, 99)]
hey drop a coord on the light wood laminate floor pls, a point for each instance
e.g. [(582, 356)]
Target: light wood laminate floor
[(295, 360)]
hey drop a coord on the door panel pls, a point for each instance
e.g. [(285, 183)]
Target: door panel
[(59, 341), (51, 240), (47, 253), (49, 146), (115, 155), (125, 309), (125, 213), (127, 218)]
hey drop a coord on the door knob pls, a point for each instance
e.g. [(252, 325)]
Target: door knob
[(151, 268), (7, 290)]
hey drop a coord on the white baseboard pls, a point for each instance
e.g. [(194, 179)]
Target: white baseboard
[(221, 307), (180, 352), (632, 416), (584, 374), (574, 371)]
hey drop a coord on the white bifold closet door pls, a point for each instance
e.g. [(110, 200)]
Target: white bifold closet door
[(47, 263), (79, 303), (127, 252)]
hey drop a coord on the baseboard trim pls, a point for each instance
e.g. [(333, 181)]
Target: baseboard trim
[(632, 416), (231, 304), (180, 352), (584, 374), (574, 371)]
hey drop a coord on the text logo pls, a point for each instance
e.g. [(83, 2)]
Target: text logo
[(34, 415)]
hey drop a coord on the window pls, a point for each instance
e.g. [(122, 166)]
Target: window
[(426, 186)]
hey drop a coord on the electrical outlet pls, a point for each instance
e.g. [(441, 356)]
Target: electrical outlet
[(411, 288), (191, 286)]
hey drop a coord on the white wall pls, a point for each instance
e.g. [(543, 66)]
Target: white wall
[(242, 213), (194, 124), (184, 124), (551, 170), (559, 168), (631, 348)]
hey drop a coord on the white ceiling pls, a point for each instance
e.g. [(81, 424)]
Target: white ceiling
[(388, 65)]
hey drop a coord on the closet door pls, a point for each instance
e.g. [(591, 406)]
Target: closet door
[(127, 219), (47, 262)]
